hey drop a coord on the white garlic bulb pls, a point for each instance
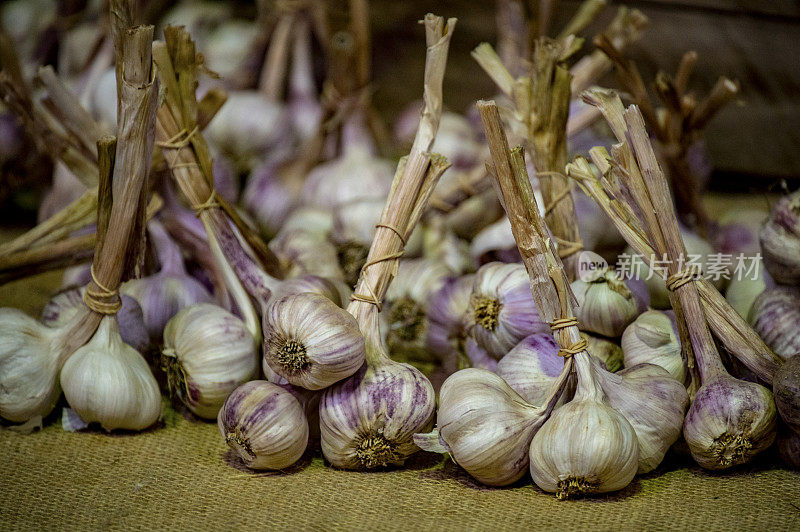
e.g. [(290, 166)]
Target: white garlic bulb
[(405, 311), (265, 425), (109, 382), (310, 341), (586, 446), (502, 311), (495, 242), (29, 363), (653, 339), (306, 252), (207, 353), (605, 303), (64, 307), (652, 402), (531, 367)]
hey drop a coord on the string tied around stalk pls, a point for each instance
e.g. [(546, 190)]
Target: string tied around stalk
[(371, 298), (680, 278), (100, 298)]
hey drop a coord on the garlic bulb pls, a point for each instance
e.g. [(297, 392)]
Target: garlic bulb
[(586, 446), (309, 219), (269, 195), (246, 128), (476, 213), (207, 353), (780, 240), (29, 365), (227, 47), (738, 231), (486, 426), (306, 252), (406, 308), (264, 424), (775, 316), (789, 448), (786, 386), (109, 382), (495, 243), (531, 367), (442, 245), (604, 350), (370, 419), (163, 294), (502, 311), (352, 233), (729, 422), (310, 341), (64, 307), (743, 291), (332, 289), (357, 174), (653, 339), (447, 309), (605, 303), (652, 402)]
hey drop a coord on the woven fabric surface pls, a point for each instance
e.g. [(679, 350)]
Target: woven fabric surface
[(180, 476)]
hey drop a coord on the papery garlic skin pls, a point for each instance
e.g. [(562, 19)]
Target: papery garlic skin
[(729, 422), (653, 339), (207, 353), (495, 243), (502, 311), (486, 426), (310, 341), (606, 351), (531, 367), (333, 289), (742, 292), (786, 387), (775, 316), (265, 425), (109, 382), (29, 365), (447, 309), (780, 240), (302, 252), (369, 420), (268, 197), (586, 446), (653, 403), (65, 306), (605, 304), (478, 357)]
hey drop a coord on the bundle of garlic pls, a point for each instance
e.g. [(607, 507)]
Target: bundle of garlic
[(729, 420)]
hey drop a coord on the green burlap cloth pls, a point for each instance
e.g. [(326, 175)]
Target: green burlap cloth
[(179, 476)]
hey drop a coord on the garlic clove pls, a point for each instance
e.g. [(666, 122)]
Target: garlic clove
[(310, 341), (653, 339), (502, 311), (207, 353), (369, 420), (265, 425), (729, 422), (29, 365), (486, 426), (531, 367), (109, 382)]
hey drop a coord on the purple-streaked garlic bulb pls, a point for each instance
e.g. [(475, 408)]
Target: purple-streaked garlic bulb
[(447, 310), (369, 420), (478, 357), (775, 316), (265, 425), (310, 341), (531, 367), (786, 387), (653, 339), (207, 353), (269, 195), (405, 313), (502, 311), (163, 294), (780, 240), (64, 307), (738, 230), (357, 174)]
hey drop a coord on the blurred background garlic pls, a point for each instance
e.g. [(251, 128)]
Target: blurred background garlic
[(447, 327), (606, 305), (65, 306), (502, 311), (265, 425), (207, 353), (775, 316), (494, 243), (163, 294), (109, 382), (786, 387), (653, 339), (742, 291), (780, 240)]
